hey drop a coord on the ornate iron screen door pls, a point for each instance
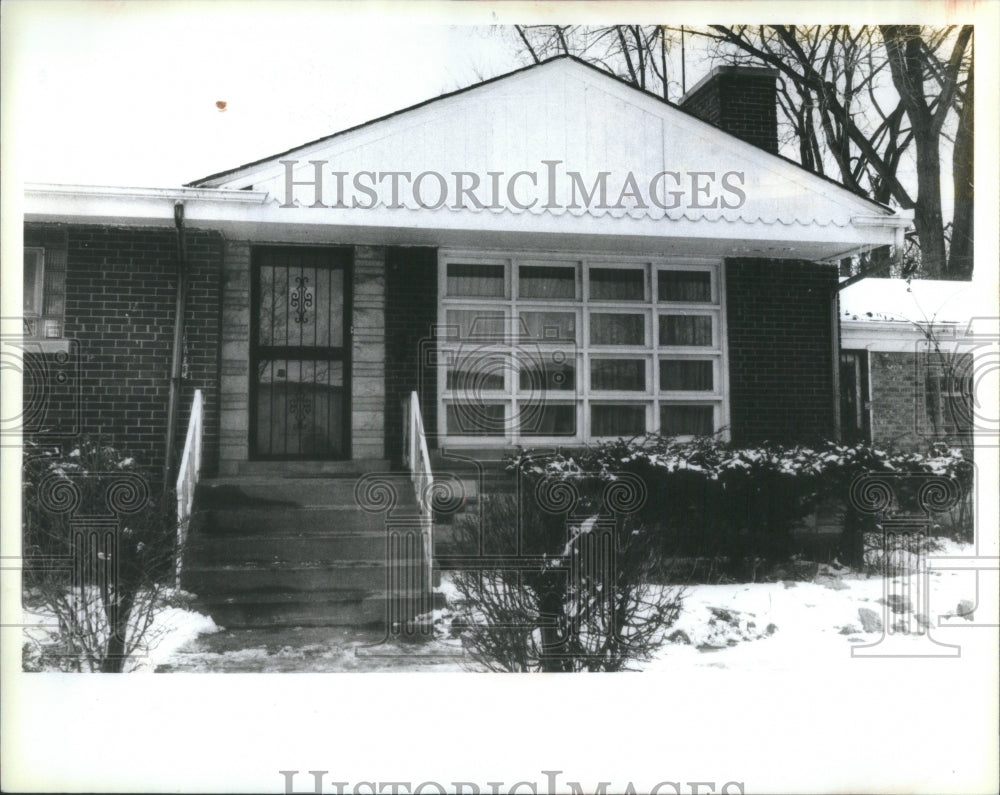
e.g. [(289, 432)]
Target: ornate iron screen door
[(300, 362)]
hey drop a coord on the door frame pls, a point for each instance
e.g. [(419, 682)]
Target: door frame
[(346, 255)]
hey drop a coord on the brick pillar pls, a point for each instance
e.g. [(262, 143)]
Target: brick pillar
[(234, 380)]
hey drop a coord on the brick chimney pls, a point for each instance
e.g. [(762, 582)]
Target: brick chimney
[(741, 100)]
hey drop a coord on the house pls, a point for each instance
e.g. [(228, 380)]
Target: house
[(907, 362), (547, 258)]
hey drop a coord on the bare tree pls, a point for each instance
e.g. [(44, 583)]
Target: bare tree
[(867, 105)]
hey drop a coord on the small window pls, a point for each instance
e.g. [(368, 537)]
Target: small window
[(619, 374), (686, 330), (547, 282), (678, 420), (470, 376), (617, 329), (547, 419), (686, 375), (33, 280), (547, 372), (476, 281), (684, 286), (549, 326), (476, 419), (617, 284), (617, 420), (476, 324)]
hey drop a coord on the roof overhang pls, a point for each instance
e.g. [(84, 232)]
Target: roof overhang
[(258, 216)]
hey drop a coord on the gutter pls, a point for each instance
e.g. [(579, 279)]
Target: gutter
[(177, 354)]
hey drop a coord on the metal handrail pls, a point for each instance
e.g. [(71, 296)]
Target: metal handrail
[(417, 460), (187, 475)]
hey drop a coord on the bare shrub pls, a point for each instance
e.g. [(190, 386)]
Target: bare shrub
[(555, 592), (99, 556)]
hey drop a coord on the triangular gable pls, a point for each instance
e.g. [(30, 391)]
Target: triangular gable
[(549, 123)]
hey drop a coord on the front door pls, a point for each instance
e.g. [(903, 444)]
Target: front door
[(854, 399), (300, 364)]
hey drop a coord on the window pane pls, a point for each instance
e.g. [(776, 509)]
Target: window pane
[(617, 420), (608, 329), (486, 281), (684, 286), (695, 376), (536, 281), (475, 419), (627, 374), (471, 375), (32, 279), (559, 326), (686, 330), (686, 420), (613, 284), (545, 419), (478, 324), (547, 372)]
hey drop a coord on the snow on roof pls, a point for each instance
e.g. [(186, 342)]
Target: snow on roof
[(913, 301)]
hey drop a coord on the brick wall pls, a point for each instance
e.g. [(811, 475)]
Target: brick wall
[(411, 312), (895, 395), (739, 100), (780, 334), (902, 415), (120, 287)]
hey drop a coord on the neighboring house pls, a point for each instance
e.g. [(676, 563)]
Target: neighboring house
[(906, 362), (570, 259)]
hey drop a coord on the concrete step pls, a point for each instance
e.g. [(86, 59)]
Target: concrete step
[(318, 520), (317, 609), (211, 550), (266, 492), (294, 468), (243, 577)]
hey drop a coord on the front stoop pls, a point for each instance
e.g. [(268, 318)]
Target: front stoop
[(308, 545)]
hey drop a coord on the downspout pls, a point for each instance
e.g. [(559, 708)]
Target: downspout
[(835, 337), (177, 354)]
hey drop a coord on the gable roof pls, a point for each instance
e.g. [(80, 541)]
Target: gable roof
[(226, 177)]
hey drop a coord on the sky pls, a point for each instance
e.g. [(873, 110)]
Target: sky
[(125, 93)]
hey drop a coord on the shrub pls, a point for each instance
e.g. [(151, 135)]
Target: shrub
[(709, 499), (99, 553), (560, 591)]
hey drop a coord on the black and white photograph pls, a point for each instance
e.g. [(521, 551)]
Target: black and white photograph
[(394, 347)]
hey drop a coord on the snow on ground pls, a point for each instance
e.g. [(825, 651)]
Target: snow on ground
[(173, 627), (753, 627)]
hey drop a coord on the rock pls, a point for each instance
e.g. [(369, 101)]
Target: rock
[(833, 583), (965, 609), (922, 620), (789, 583), (899, 604), (870, 620), (722, 614), (849, 629), (771, 629), (679, 636)]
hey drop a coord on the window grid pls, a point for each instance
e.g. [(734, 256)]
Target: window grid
[(581, 351)]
